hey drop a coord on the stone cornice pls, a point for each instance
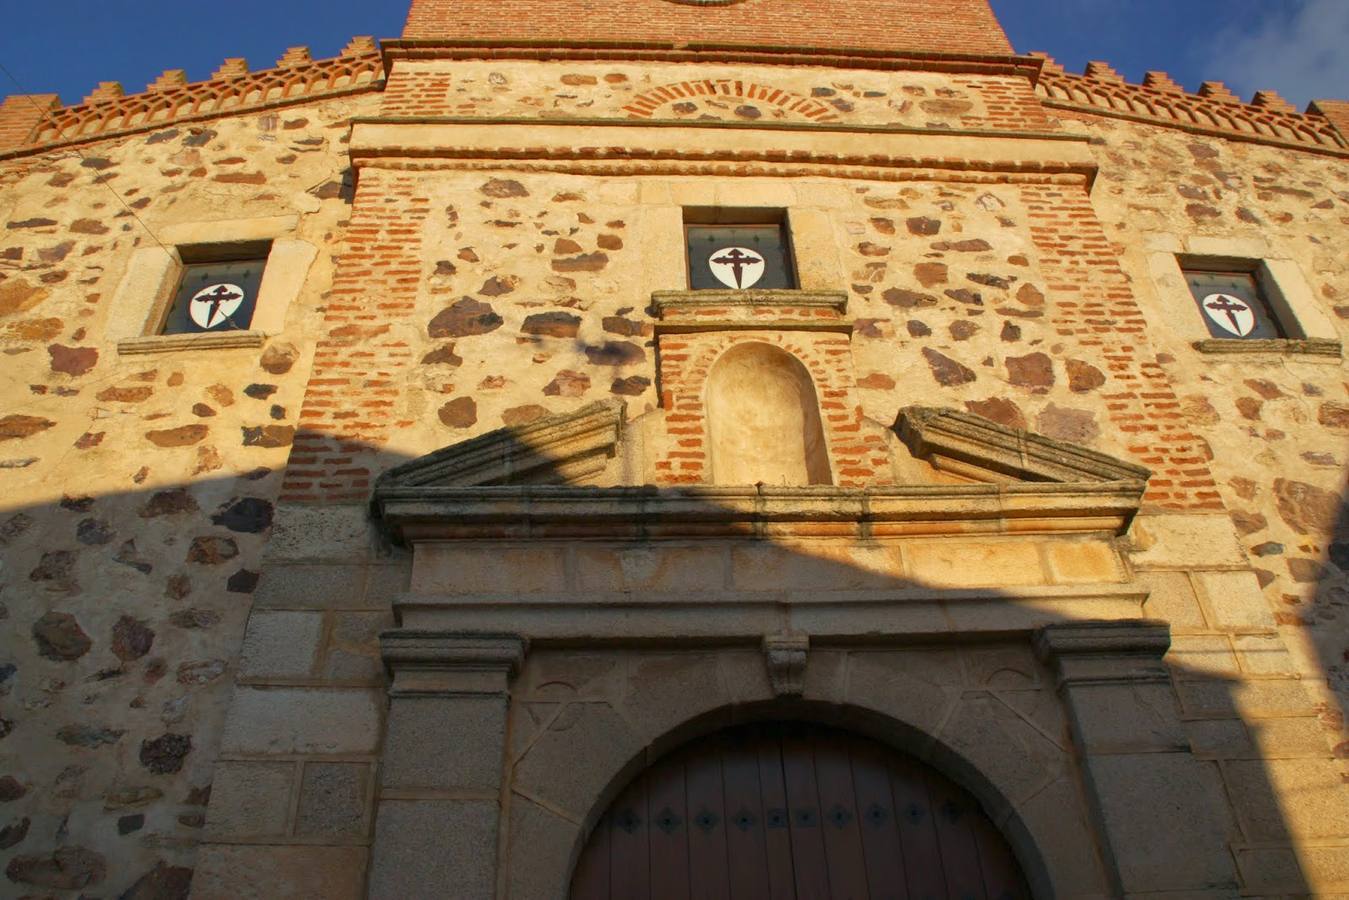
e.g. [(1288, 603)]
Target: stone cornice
[(522, 143), (1106, 652), (971, 445), (174, 343), (703, 52), (881, 618), (1281, 346), (415, 513), (681, 312), (553, 448)]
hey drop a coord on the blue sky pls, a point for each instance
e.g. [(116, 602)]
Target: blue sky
[(1296, 47)]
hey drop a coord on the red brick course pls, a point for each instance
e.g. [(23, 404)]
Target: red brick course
[(858, 455), (949, 26), (1095, 306), (349, 402)]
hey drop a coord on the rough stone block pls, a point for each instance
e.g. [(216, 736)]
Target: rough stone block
[(668, 689), (592, 744), (1174, 540), (1263, 654), (969, 564), (1082, 562), (917, 687), (333, 800), (1004, 747), (250, 799), (1248, 699), (1060, 827), (1003, 667), (467, 569), (825, 567), (1172, 599), (540, 849), (1294, 736), (1202, 654), (1127, 717), (280, 644), (1271, 870), (329, 532), (303, 720), (353, 646), (252, 872), (445, 743), (448, 844), (1135, 792), (1220, 738), (384, 582), (682, 569), (1279, 799), (1234, 599), (307, 586)]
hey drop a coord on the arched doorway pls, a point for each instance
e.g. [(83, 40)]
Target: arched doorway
[(793, 812)]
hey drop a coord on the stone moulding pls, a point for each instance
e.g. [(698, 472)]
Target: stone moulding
[(556, 448), (1108, 652), (174, 343), (451, 143), (682, 312), (1281, 346), (896, 616), (438, 663), (972, 446), (426, 512), (705, 52)]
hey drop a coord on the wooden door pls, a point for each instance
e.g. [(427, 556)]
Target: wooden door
[(794, 812)]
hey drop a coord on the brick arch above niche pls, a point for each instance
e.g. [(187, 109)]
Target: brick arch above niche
[(753, 101)]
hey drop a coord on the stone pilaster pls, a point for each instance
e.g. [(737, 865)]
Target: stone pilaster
[(439, 805), (1141, 778)]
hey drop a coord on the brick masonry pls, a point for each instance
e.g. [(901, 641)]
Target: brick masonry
[(893, 25)]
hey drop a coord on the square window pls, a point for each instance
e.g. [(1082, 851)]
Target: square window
[(217, 287), (1234, 303), (738, 250)]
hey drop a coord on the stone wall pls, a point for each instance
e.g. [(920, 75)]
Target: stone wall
[(139, 489), (1273, 425)]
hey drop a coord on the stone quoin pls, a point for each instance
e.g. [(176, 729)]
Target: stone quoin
[(646, 448)]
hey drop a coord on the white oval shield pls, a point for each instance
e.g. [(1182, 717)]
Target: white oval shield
[(214, 304), (736, 267), (1230, 313)]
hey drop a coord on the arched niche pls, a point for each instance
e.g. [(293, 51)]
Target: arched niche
[(764, 419), (790, 810)]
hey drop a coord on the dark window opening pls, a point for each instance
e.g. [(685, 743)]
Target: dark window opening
[(738, 250), (218, 288), (1234, 304)]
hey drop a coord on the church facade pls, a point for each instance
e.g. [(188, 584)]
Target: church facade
[(645, 448)]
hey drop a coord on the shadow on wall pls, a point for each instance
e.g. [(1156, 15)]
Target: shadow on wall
[(127, 615), (678, 571)]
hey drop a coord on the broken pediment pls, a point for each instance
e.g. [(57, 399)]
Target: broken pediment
[(552, 478), (562, 449), (973, 447)]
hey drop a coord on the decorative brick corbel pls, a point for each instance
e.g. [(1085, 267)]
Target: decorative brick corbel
[(785, 656)]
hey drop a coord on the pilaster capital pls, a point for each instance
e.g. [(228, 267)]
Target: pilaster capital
[(449, 663), (1105, 652)]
